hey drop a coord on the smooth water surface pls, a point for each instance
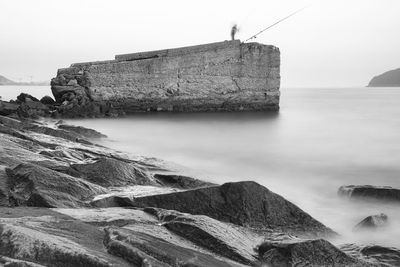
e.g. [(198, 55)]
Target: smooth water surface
[(320, 139)]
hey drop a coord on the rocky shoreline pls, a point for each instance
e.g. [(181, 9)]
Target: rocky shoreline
[(66, 201)]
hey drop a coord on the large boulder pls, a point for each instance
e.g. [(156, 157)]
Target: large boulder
[(243, 203), (33, 185), (384, 193), (111, 172), (47, 100)]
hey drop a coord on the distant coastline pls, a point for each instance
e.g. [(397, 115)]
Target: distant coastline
[(5, 81)]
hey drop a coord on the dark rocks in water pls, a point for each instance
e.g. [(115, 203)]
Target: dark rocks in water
[(32, 185), (47, 100), (372, 222), (243, 203), (142, 249), (384, 193), (306, 253), (25, 109), (7, 108), (111, 172), (388, 79), (23, 97), (86, 132), (33, 109), (179, 181)]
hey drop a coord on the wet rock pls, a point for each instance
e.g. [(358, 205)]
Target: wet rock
[(384, 255), (142, 249), (179, 181), (47, 100), (243, 203), (3, 187), (67, 154), (33, 109), (228, 240), (306, 253), (111, 172), (86, 132), (122, 196), (68, 135), (48, 238), (372, 222), (10, 262), (110, 216), (384, 193), (7, 108), (23, 97), (11, 122), (32, 185)]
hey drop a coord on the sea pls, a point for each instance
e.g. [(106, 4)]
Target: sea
[(321, 139)]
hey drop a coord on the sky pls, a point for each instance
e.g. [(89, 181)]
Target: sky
[(331, 43)]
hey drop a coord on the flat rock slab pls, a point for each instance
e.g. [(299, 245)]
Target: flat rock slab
[(141, 249), (121, 196), (228, 240), (384, 193), (306, 253), (110, 216), (33, 185), (45, 237)]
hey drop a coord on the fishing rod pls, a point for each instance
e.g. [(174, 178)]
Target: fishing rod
[(279, 21)]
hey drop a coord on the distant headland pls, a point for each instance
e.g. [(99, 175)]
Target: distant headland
[(6, 81), (388, 79)]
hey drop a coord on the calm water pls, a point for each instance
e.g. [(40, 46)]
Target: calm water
[(320, 139)]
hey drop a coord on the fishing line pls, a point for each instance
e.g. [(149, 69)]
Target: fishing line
[(279, 21)]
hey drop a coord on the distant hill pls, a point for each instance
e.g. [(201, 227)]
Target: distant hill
[(5, 81), (388, 79)]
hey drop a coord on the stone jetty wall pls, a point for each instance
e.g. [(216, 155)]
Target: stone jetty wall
[(224, 76)]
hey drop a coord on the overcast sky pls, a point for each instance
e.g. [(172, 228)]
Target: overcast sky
[(331, 43)]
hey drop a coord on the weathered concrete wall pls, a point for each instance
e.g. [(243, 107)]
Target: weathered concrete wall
[(214, 77)]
